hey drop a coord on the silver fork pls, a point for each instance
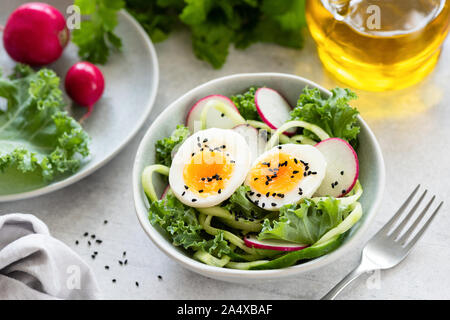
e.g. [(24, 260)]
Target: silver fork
[(389, 246)]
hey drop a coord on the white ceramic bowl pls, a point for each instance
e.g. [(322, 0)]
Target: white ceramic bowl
[(372, 173)]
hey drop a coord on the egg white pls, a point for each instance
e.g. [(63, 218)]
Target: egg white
[(305, 187), (227, 141)]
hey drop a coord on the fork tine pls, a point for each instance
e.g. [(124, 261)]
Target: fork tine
[(419, 234), (396, 232), (413, 226), (399, 212)]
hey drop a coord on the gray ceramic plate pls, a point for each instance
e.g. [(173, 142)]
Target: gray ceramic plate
[(131, 78), (372, 172)]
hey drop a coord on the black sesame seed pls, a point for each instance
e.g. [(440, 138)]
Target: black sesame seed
[(125, 262), (93, 256), (203, 179), (193, 154), (124, 253), (107, 267), (258, 195), (98, 241), (105, 222), (295, 171), (273, 204), (186, 187), (184, 192), (255, 179), (295, 160), (279, 147), (263, 205), (114, 280), (232, 161), (344, 191), (336, 183), (267, 183), (219, 191), (77, 242), (205, 140), (313, 172), (200, 191), (251, 193), (274, 194), (85, 234), (95, 252), (342, 173), (292, 177), (223, 146), (267, 194), (160, 277), (93, 236), (222, 115), (120, 262), (89, 243), (193, 200), (332, 185), (137, 284)]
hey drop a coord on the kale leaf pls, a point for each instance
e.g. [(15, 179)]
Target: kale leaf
[(181, 223), (36, 135), (165, 146), (334, 114), (245, 103)]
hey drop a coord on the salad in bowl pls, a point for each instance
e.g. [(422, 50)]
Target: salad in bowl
[(255, 183)]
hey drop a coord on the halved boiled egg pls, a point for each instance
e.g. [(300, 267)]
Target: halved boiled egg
[(209, 166), (284, 175)]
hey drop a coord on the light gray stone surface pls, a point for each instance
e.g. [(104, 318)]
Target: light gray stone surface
[(413, 128)]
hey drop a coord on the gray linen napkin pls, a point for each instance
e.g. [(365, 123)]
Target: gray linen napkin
[(34, 265)]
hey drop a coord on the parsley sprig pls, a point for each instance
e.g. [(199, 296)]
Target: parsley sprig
[(96, 36)]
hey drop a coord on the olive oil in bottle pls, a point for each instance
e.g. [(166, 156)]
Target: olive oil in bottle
[(379, 45)]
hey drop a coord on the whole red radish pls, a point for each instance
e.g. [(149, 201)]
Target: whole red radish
[(85, 84), (35, 34)]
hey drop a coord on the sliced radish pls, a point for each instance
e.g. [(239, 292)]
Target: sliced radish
[(342, 167), (164, 194), (278, 245), (273, 108), (256, 139), (214, 119)]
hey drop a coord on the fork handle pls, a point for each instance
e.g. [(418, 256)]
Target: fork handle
[(355, 273)]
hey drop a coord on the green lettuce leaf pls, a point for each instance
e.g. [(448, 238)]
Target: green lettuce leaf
[(306, 222), (334, 115), (181, 224), (245, 103), (164, 147), (36, 135)]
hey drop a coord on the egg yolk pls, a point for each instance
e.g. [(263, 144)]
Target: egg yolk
[(278, 173), (207, 173)]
